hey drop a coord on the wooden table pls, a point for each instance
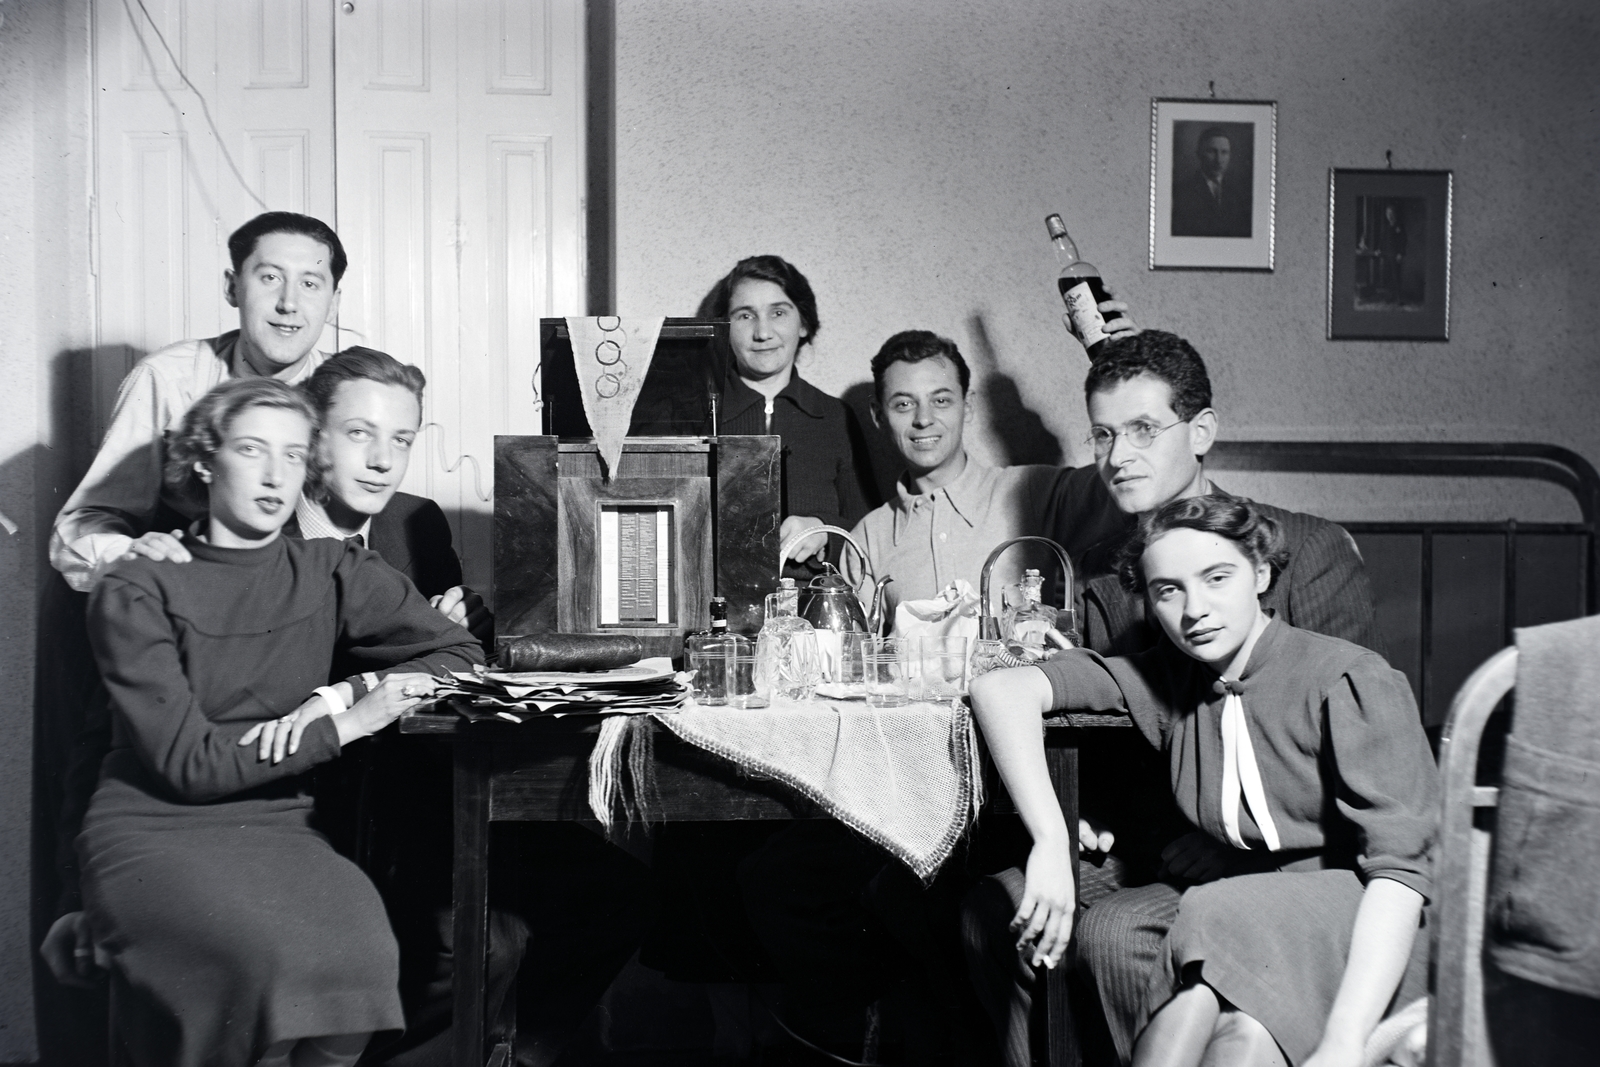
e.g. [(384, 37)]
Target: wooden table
[(538, 771)]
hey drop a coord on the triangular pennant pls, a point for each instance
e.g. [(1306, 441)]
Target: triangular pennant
[(612, 356)]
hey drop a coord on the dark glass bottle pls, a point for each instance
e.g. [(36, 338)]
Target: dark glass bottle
[(1081, 290)]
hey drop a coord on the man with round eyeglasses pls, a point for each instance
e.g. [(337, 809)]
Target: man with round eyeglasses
[(1152, 424)]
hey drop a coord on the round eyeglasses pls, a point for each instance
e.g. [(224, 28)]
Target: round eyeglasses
[(1139, 434)]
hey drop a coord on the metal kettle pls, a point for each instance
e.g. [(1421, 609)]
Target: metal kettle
[(828, 602)]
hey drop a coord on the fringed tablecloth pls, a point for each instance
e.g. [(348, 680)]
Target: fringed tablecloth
[(907, 779)]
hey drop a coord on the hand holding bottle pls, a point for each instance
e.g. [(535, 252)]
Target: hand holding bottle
[(1092, 316)]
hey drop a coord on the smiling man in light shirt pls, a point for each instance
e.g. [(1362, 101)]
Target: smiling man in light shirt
[(950, 509), (284, 280)]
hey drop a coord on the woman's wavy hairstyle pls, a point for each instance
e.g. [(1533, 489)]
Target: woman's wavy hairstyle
[(206, 425), (779, 272), (1240, 521)]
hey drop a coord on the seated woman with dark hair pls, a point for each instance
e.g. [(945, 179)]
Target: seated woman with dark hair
[(233, 931), (1301, 762)]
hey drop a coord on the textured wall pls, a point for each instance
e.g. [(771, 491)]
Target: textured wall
[(44, 274), (904, 154)]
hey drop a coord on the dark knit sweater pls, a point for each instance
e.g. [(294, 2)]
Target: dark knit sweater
[(195, 655), (826, 469)]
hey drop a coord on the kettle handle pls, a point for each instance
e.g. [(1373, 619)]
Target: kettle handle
[(788, 546)]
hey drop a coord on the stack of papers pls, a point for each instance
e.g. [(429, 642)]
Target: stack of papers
[(649, 685)]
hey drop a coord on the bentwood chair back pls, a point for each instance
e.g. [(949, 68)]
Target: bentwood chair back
[(1457, 1030)]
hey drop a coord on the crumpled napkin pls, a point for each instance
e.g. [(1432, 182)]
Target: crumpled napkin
[(953, 613)]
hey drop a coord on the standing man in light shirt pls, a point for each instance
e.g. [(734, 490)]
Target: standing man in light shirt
[(284, 280)]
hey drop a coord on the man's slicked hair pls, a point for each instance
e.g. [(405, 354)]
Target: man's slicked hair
[(914, 346), (243, 240), (1161, 355), (360, 364)]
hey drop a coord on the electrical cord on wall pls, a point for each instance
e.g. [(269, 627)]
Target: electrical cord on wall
[(205, 109), (466, 457)]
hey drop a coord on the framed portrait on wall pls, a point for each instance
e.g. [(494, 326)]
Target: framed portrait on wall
[(1213, 183), (1389, 255)]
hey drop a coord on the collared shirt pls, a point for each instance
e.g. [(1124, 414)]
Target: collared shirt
[(927, 540), (119, 496), (826, 469), (314, 522)]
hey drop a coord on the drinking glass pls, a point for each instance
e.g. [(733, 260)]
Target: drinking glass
[(800, 666), (884, 664), (853, 645), (707, 656), (747, 687), (941, 668)]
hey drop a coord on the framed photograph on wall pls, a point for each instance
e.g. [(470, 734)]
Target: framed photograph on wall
[(1389, 255), (1213, 183)]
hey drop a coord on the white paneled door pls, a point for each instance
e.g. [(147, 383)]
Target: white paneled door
[(442, 138)]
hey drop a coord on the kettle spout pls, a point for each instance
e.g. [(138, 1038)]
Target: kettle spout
[(875, 617)]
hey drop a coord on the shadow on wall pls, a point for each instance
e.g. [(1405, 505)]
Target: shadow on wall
[(71, 1023), (1021, 433), (886, 464)]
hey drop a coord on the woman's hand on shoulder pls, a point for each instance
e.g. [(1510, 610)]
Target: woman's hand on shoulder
[(1043, 923), (466, 608), (159, 546)]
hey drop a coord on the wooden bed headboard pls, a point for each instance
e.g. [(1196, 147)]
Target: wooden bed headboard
[(1448, 594)]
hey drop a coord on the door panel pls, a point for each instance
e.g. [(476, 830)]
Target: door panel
[(461, 247)]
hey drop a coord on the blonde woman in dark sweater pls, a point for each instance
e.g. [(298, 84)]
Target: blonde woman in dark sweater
[(233, 932)]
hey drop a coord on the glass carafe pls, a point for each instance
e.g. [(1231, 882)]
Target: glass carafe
[(786, 649), (1027, 623)]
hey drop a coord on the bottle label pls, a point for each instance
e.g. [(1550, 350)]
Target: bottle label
[(1087, 322)]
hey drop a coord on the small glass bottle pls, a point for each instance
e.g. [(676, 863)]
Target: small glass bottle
[(1027, 623), (786, 648), (1081, 290), (706, 653)]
